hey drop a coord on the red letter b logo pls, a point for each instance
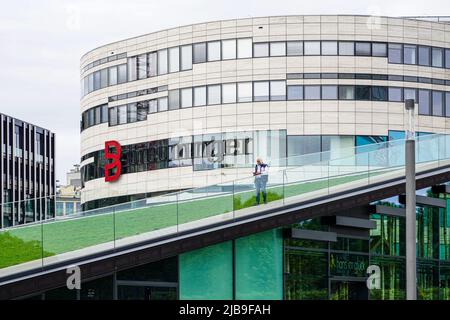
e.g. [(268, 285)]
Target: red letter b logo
[(110, 173)]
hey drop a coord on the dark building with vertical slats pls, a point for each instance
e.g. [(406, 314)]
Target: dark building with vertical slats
[(27, 169)]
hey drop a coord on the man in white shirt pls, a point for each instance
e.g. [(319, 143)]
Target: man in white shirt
[(261, 175)]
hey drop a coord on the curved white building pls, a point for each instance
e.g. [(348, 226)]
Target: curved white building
[(194, 105)]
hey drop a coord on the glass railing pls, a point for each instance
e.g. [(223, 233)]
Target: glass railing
[(44, 243)]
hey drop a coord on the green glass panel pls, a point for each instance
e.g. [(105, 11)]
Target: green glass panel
[(259, 266), (207, 273)]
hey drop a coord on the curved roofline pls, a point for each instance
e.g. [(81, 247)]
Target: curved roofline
[(257, 17)]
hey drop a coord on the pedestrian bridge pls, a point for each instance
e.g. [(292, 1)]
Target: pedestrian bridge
[(34, 257)]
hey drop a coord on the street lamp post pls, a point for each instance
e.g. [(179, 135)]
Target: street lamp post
[(410, 175)]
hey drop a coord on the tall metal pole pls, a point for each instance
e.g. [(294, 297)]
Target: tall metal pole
[(410, 175)]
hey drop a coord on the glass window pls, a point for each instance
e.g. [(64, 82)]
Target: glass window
[(174, 99), (199, 52), (395, 94), (424, 56), (162, 61), (174, 59), (312, 48), (362, 93), (379, 49), (424, 102), (409, 54), (200, 96), (122, 114), (131, 112), (277, 90), (277, 49), (90, 82), (214, 51), (329, 48), (437, 57), (132, 68), (363, 48), (91, 117), (438, 103), (112, 116), (142, 111), (261, 91), (346, 48), (329, 92), (112, 76), (153, 106), (104, 113), (96, 80), (142, 66), (162, 104), (294, 48), (447, 104), (98, 115), (152, 67), (409, 94), (244, 90), (104, 78), (186, 57), (186, 98), (295, 92), (395, 53), (447, 58), (346, 92), (379, 93), (312, 92), (228, 49), (214, 94), (244, 48), (261, 49), (228, 92)]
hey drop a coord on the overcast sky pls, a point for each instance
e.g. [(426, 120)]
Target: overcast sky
[(42, 41)]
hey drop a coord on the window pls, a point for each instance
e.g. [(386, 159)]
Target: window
[(153, 106), (277, 90), (214, 94), (103, 78), (294, 48), (395, 53), (162, 61), (409, 94), (363, 48), (312, 48), (379, 93), (214, 51), (295, 92), (200, 96), (424, 56), (346, 92), (277, 49), (244, 91), (96, 80), (132, 68), (162, 104), (104, 113), (447, 104), (186, 98), (424, 102), (346, 48), (438, 103), (90, 82), (409, 54), (112, 116), (142, 111), (174, 59), (174, 99), (131, 113), (244, 48), (228, 49), (301, 145), (329, 48), (91, 117), (122, 114), (98, 115), (437, 57), (312, 92), (329, 92), (447, 58), (362, 93), (379, 49), (186, 57), (395, 94), (199, 52), (152, 64), (261, 91), (228, 92), (261, 50)]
